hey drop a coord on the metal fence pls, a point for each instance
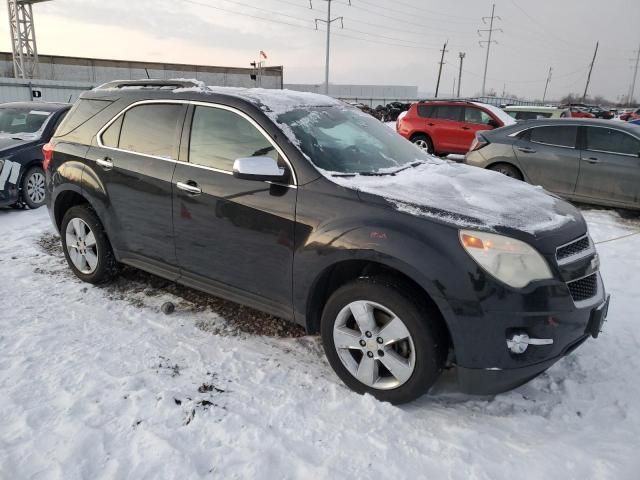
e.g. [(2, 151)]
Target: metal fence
[(497, 101)]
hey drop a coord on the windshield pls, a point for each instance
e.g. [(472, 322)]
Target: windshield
[(345, 140), (21, 121)]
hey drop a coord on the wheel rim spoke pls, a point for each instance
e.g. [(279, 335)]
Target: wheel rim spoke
[(90, 239), (344, 337), (71, 241), (363, 315), (367, 371), (399, 367), (82, 246), (91, 259), (394, 331)]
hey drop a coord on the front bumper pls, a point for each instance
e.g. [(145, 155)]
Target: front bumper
[(585, 323)]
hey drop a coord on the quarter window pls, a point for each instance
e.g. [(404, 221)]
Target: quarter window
[(151, 130), (111, 136), (564, 136), (609, 140), (219, 137)]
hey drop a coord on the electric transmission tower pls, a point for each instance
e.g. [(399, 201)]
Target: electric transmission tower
[(23, 38), (488, 42), (328, 22)]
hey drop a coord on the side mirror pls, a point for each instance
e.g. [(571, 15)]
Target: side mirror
[(260, 169), (492, 123)]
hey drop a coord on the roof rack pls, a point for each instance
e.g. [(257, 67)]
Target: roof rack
[(173, 84), (460, 100)]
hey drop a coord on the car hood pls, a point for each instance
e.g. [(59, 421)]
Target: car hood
[(467, 197), (10, 144)]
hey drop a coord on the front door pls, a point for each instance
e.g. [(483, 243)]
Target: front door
[(135, 161), (610, 166), (549, 157), (233, 236)]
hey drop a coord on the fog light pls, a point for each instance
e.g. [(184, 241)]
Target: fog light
[(518, 343)]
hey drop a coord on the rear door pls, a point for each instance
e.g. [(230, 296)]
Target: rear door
[(135, 160), (233, 235), (448, 128), (549, 157), (610, 166)]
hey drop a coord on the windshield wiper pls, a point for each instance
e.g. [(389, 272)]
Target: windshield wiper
[(380, 174)]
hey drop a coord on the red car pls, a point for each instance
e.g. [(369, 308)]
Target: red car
[(635, 115), (443, 127), (577, 112)]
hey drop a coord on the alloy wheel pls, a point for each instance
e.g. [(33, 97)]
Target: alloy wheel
[(374, 345), (35, 187), (423, 145), (81, 246)]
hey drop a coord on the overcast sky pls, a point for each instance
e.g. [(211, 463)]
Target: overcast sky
[(383, 41)]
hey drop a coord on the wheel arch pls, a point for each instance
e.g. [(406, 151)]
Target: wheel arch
[(342, 272), (505, 161)]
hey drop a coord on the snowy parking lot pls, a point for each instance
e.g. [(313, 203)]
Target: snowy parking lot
[(96, 382)]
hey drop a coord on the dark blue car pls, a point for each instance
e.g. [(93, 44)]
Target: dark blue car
[(24, 128)]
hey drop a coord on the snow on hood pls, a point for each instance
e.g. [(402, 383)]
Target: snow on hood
[(464, 196)]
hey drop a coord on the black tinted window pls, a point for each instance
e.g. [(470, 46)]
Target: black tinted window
[(449, 113), (425, 111), (531, 115), (81, 111), (609, 140), (151, 129), (475, 115), (111, 136), (563, 136), (219, 137)]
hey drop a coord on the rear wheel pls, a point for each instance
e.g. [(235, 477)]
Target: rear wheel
[(508, 170), (382, 340), (86, 246), (33, 187), (423, 142)]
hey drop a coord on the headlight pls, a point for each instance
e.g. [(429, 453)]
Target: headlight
[(507, 259)]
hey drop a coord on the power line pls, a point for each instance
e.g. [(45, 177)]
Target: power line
[(414, 9), (488, 42)]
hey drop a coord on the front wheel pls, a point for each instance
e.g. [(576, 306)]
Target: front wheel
[(33, 187), (86, 246), (423, 143), (382, 340)]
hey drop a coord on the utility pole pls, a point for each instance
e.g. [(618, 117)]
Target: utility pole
[(586, 87), (544, 95), (488, 42), (328, 22), (635, 77), (461, 55), (444, 50), (453, 92)]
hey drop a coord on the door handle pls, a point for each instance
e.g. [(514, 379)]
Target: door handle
[(593, 160), (106, 163), (431, 124), (526, 150), (466, 128), (190, 187)]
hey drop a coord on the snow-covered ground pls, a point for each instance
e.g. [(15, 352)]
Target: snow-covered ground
[(95, 382)]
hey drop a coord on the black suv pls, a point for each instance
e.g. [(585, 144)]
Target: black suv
[(306, 208), (24, 128)]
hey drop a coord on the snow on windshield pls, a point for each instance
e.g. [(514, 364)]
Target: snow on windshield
[(498, 112)]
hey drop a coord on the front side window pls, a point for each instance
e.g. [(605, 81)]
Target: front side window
[(475, 115), (561, 136), (151, 130), (219, 137), (609, 140)]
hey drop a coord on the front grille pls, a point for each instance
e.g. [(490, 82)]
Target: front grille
[(584, 288), (573, 248)]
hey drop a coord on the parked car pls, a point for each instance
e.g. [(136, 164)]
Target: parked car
[(580, 112), (634, 115), (591, 161), (635, 122), (627, 113), (306, 208), (445, 126), (599, 112), (24, 128), (523, 112)]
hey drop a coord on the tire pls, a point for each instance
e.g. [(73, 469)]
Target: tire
[(99, 264), (424, 143), (422, 353), (33, 187), (508, 170)]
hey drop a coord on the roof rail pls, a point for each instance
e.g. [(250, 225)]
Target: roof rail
[(460, 100), (149, 83)]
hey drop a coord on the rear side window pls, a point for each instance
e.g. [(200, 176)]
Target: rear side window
[(219, 137), (609, 140), (425, 111), (561, 136), (449, 113), (111, 136), (530, 115), (152, 130), (81, 111)]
